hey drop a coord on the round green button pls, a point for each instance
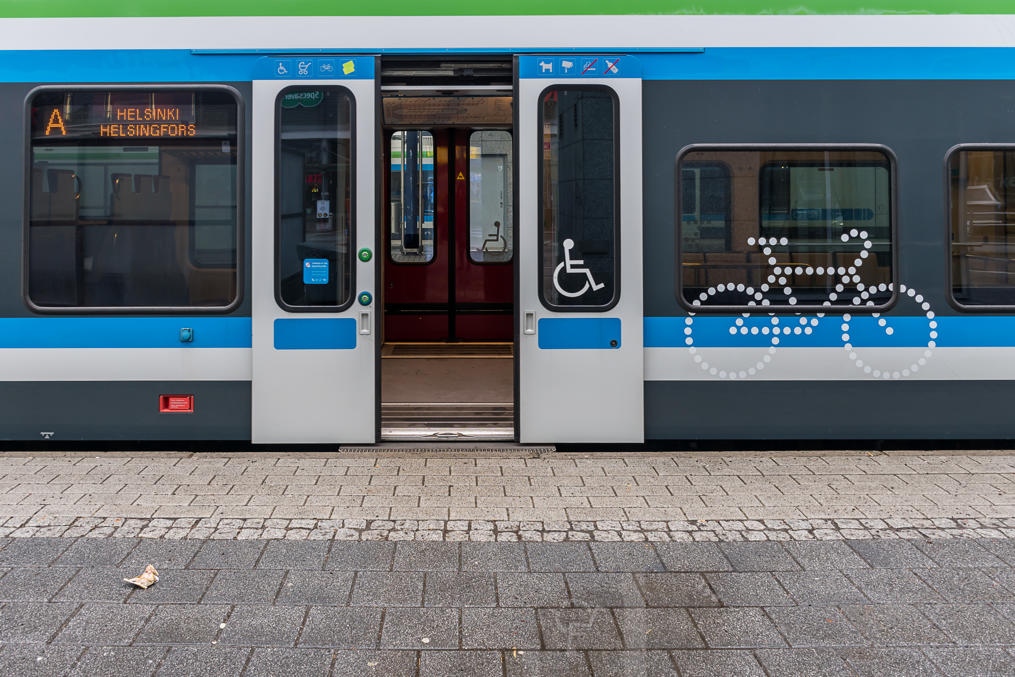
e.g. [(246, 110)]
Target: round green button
[(365, 298), (365, 255)]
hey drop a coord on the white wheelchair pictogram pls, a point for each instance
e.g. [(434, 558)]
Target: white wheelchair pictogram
[(574, 267)]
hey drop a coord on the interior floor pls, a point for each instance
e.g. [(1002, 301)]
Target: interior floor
[(447, 390)]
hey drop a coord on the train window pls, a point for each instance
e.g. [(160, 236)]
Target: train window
[(412, 197), (579, 198), (491, 202), (314, 231), (982, 217), (785, 228), (133, 199)]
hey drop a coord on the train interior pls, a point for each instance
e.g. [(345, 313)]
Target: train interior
[(447, 277)]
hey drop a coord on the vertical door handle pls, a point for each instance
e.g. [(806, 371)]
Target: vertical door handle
[(364, 322), (529, 322)]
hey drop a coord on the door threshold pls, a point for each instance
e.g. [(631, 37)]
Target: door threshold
[(413, 421), (398, 434)]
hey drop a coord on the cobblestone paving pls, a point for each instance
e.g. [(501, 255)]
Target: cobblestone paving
[(506, 496), (278, 607)]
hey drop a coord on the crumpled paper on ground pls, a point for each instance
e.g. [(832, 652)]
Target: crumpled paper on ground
[(146, 579)]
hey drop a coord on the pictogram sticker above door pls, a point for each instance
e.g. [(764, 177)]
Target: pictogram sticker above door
[(578, 66)]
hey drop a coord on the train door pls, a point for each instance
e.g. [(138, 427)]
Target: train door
[(447, 361), (581, 369), (313, 170)]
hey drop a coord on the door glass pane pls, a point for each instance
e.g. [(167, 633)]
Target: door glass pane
[(412, 197), (315, 196), (578, 197), (133, 199), (491, 203), (983, 226)]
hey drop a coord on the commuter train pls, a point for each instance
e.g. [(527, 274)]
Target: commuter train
[(562, 224)]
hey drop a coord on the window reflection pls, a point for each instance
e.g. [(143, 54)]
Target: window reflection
[(412, 196), (491, 203)]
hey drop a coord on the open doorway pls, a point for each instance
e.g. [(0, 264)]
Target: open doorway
[(447, 359)]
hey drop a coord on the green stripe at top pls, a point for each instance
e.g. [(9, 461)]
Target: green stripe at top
[(164, 8)]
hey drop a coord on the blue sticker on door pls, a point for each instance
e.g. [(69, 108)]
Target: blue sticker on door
[(315, 271)]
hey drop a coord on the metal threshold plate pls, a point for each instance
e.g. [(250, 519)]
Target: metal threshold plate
[(447, 421)]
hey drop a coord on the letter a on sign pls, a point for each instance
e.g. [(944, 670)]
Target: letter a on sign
[(55, 122)]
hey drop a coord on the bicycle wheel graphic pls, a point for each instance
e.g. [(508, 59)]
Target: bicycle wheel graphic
[(909, 332)]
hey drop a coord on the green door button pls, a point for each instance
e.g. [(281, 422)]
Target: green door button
[(365, 255), (365, 298)]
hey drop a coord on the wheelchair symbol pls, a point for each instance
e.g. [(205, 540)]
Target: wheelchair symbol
[(574, 266)]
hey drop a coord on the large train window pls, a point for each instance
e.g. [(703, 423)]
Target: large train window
[(411, 182), (133, 199), (982, 218), (491, 202), (786, 228), (579, 197), (314, 198)]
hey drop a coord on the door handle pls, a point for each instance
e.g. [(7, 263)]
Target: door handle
[(364, 322), (529, 322)]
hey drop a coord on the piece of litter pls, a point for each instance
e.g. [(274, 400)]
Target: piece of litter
[(222, 626), (146, 579), (371, 664), (426, 640)]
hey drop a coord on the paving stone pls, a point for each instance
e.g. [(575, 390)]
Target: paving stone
[(360, 556), (626, 557), (34, 584), (227, 555), (758, 556), (244, 587), (37, 660), (419, 628), (294, 555), (798, 662), (890, 554), (627, 663), (604, 590), (100, 624), (736, 628), (971, 624), (211, 661), (96, 585), (119, 661), (970, 585), (179, 586), (748, 589), (180, 624), (494, 557), (658, 629), (890, 585), (32, 621), (825, 555), (416, 556), (532, 590), (964, 661), (814, 626), (959, 552), (160, 554), (820, 587), (341, 628), (675, 590), (296, 662), (97, 552), (554, 557), (692, 557), (547, 664), (698, 663), (319, 588), (578, 629), (895, 662), (371, 664), (453, 589), (261, 625), (499, 629), (472, 663), (1004, 548), (33, 551), (381, 588)]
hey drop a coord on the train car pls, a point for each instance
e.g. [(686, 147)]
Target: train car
[(339, 223)]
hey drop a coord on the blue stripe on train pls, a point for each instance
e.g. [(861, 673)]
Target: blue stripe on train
[(955, 331), (123, 332), (721, 63)]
